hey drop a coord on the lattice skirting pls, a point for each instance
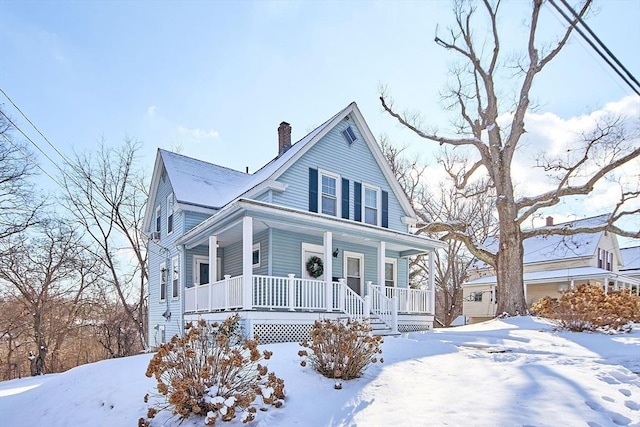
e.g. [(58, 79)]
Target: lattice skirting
[(413, 327), (270, 333)]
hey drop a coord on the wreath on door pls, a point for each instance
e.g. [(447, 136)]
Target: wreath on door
[(315, 267)]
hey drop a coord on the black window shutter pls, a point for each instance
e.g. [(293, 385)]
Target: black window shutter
[(357, 201), (313, 190), (345, 198), (385, 209)]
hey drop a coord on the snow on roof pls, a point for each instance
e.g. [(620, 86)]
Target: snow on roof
[(199, 183), (556, 246), (551, 275), (630, 258), (205, 184)]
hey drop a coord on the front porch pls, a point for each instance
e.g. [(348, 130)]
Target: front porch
[(284, 308)]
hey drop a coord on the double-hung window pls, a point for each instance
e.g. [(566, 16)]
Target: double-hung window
[(158, 218), (329, 193), (175, 277), (163, 282), (371, 205), (390, 272), (170, 213)]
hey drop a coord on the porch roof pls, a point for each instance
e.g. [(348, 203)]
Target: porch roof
[(562, 275), (226, 224)]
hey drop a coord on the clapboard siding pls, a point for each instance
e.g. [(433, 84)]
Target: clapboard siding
[(232, 260), (354, 162), (191, 219)]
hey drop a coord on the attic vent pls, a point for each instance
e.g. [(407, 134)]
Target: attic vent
[(349, 135)]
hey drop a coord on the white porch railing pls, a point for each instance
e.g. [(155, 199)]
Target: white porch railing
[(291, 293), (409, 300), (383, 307)]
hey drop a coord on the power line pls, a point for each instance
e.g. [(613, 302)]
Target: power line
[(578, 20), (584, 24), (28, 156)]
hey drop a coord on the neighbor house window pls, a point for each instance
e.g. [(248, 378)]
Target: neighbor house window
[(371, 205), (610, 261), (256, 255), (329, 193), (169, 213), (476, 296), (163, 281), (175, 277), (158, 218), (390, 272)]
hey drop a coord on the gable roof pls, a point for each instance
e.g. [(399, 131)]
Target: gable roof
[(630, 259), (556, 247), (207, 185)]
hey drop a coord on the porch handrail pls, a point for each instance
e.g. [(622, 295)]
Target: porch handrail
[(348, 301), (383, 307)]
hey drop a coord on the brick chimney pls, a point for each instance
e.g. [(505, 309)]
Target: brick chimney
[(549, 221), (284, 137)]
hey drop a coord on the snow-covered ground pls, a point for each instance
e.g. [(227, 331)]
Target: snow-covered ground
[(511, 372)]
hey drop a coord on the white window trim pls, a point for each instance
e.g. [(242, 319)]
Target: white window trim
[(175, 261), (170, 213), (256, 247), (163, 266), (360, 256), (378, 191), (338, 179), (157, 224), (393, 261)]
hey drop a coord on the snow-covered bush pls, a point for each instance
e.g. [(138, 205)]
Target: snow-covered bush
[(213, 372), (589, 308), (341, 350)]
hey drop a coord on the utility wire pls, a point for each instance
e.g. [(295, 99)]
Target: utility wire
[(594, 47), (584, 24), (28, 156)]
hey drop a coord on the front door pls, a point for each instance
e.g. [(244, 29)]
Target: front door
[(201, 270), (310, 251), (354, 271)]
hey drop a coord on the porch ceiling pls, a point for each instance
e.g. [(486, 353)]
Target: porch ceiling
[(265, 215)]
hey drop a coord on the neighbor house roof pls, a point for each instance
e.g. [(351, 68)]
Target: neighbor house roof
[(630, 259), (555, 247), (559, 275)]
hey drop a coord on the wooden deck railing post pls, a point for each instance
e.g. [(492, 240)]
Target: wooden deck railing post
[(227, 303), (291, 285), (342, 294)]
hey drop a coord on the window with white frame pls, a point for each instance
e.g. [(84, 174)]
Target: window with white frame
[(175, 277), (158, 218), (163, 281), (476, 296), (371, 204), (610, 261), (391, 272), (255, 255), (170, 213), (329, 193)]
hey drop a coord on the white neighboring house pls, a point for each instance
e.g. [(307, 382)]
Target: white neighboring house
[(630, 262), (553, 264)]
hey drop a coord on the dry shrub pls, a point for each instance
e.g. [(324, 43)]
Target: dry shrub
[(341, 350), (213, 372), (589, 308)]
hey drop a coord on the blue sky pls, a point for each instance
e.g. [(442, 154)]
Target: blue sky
[(216, 78)]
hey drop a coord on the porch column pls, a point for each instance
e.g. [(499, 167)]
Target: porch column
[(573, 284), (328, 269), (606, 285), (525, 291), (432, 281), (213, 259), (247, 262), (381, 263)]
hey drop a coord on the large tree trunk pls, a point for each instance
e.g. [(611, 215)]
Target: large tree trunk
[(509, 270)]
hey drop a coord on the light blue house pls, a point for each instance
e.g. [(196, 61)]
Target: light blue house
[(321, 231)]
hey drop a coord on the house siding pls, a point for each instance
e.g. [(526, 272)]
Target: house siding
[(353, 162), (164, 251)]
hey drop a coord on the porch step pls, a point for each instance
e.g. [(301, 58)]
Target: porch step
[(379, 328)]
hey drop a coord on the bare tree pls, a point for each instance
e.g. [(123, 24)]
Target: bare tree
[(442, 202), (18, 205), (106, 195), (48, 276), (477, 94)]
